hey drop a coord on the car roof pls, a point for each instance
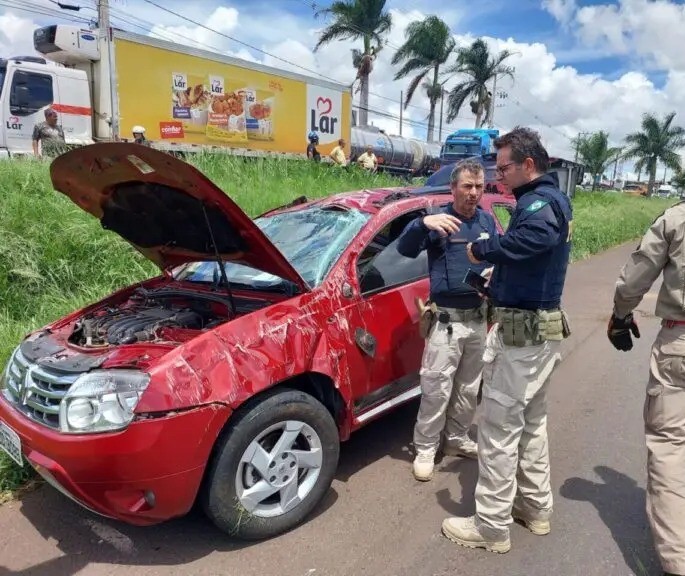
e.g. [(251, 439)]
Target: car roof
[(374, 200)]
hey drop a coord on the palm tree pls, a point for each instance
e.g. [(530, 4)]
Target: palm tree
[(658, 141), (355, 19), (678, 181), (480, 67), (595, 153), (429, 44)]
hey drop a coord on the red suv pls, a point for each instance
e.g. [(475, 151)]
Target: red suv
[(234, 374)]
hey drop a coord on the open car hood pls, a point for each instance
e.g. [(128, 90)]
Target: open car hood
[(164, 207)]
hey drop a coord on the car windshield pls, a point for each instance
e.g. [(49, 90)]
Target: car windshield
[(462, 149), (311, 239)]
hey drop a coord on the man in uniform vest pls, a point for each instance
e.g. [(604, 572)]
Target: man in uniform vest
[(453, 356), (521, 350), (661, 250)]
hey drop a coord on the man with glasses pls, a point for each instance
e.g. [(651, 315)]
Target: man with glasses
[(452, 362), (521, 350)]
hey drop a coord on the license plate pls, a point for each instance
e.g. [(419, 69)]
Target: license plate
[(11, 443)]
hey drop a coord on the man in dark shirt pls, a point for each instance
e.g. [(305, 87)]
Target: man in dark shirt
[(312, 152), (521, 351), (452, 361)]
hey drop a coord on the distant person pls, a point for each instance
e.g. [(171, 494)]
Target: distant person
[(312, 152), (338, 153), (139, 135), (368, 159), (48, 136)]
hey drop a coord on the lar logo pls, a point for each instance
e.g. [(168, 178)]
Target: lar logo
[(14, 123), (324, 108), (216, 85), (179, 81)]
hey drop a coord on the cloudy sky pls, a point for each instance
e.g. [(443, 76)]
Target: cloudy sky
[(581, 65)]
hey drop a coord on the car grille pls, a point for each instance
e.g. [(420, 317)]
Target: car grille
[(37, 391)]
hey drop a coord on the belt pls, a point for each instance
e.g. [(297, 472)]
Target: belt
[(446, 315), (672, 323)]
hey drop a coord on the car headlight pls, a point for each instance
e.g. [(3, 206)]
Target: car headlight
[(6, 370), (102, 401)]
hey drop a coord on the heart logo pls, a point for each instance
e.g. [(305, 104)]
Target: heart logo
[(321, 103)]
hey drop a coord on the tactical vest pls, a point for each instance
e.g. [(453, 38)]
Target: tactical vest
[(537, 283), (449, 263)]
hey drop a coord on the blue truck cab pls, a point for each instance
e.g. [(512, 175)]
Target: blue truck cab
[(467, 142)]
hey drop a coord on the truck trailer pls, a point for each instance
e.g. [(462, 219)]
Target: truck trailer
[(102, 83)]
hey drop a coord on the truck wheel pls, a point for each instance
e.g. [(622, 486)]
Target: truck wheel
[(272, 466)]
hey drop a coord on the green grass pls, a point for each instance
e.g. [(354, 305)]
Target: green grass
[(602, 220), (55, 258)]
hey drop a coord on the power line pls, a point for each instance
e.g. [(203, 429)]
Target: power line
[(41, 10)]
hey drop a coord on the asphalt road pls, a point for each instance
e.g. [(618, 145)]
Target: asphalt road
[(378, 520)]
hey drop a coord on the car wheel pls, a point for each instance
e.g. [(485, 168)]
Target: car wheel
[(272, 466)]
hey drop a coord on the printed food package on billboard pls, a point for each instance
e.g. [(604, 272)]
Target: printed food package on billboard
[(184, 98)]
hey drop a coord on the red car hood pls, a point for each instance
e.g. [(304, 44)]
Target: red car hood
[(164, 207)]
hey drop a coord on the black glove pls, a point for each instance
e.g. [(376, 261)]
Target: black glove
[(619, 330)]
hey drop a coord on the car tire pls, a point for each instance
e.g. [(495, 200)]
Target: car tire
[(261, 429)]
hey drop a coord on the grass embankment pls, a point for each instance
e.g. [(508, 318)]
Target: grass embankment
[(55, 258)]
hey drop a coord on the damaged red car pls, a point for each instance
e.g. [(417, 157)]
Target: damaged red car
[(231, 377)]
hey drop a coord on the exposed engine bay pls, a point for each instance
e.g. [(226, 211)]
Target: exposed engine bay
[(158, 315)]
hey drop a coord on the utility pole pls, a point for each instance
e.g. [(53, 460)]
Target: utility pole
[(442, 100), (103, 15), (578, 139), (401, 107), (105, 34)]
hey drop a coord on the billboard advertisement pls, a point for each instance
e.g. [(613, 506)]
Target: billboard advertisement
[(188, 99)]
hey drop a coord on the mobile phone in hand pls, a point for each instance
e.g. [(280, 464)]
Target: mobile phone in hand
[(476, 281)]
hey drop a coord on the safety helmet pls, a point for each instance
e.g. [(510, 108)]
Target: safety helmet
[(138, 130), (313, 136)]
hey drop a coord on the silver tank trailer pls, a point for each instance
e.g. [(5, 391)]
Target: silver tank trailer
[(395, 153)]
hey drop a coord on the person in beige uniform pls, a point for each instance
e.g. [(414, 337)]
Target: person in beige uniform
[(661, 251)]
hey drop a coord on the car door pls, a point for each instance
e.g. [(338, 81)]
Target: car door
[(30, 92), (384, 319)]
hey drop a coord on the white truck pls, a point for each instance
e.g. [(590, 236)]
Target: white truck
[(102, 83)]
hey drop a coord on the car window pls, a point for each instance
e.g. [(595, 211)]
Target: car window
[(381, 266), (503, 213), (311, 239)]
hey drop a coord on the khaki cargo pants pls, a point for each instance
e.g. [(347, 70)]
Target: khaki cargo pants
[(450, 378), (513, 456), (664, 415)]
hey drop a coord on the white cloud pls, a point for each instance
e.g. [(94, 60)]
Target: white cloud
[(647, 29), (16, 35), (555, 99), (562, 10)]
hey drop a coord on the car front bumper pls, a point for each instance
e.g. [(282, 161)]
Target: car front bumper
[(148, 473)]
